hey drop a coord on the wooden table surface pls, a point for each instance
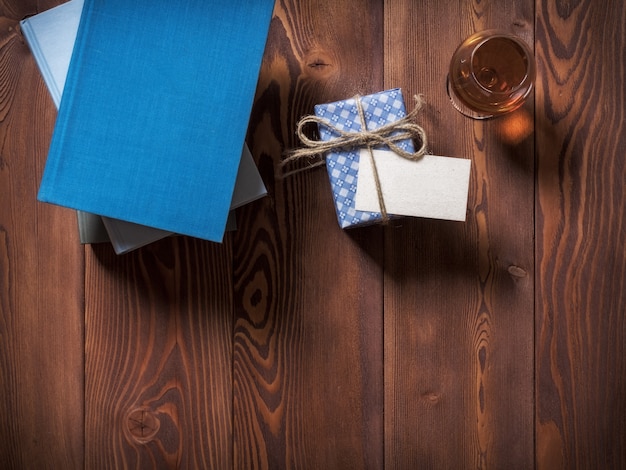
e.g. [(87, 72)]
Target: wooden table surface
[(494, 343)]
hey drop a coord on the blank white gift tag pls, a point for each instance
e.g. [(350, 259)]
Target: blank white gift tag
[(434, 187)]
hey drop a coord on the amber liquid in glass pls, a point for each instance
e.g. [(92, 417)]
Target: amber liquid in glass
[(491, 75)]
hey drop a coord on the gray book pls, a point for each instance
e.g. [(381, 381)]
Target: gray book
[(51, 35)]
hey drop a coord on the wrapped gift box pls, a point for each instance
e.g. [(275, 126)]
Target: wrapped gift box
[(343, 166)]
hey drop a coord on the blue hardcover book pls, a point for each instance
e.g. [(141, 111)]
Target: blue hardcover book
[(155, 110), (51, 35)]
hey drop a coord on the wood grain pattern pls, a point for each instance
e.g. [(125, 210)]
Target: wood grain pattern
[(494, 343), (581, 229), (459, 296), (158, 325), (41, 277), (307, 351)]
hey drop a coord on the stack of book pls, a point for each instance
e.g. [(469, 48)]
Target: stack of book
[(153, 99)]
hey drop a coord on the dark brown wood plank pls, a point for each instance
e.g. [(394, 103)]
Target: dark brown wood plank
[(581, 235), (41, 275), (158, 356), (459, 296), (308, 332)]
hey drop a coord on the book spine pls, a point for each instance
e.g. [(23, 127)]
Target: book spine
[(51, 170)]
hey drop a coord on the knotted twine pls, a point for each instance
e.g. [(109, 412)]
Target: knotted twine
[(387, 135)]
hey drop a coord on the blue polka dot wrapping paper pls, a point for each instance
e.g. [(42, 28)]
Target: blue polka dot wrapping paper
[(379, 109)]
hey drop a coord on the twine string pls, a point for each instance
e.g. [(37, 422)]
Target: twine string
[(370, 151), (386, 135)]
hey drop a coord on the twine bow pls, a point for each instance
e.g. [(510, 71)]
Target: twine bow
[(386, 135)]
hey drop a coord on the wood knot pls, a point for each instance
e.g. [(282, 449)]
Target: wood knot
[(318, 64), (516, 271), (431, 398), (142, 425)]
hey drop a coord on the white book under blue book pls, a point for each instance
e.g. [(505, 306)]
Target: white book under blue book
[(51, 36)]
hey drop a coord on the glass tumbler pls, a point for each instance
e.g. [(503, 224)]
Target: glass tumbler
[(491, 73)]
